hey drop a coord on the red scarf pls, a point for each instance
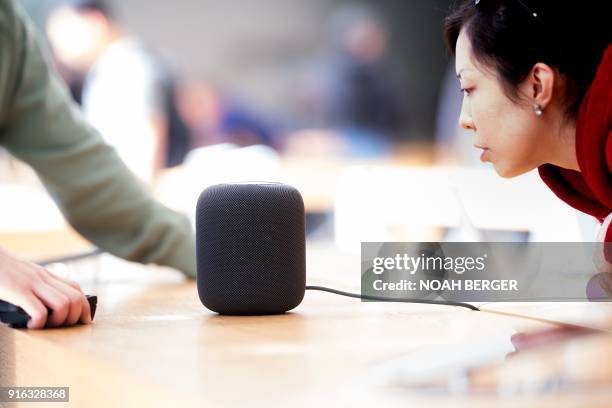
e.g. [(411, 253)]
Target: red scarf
[(590, 190)]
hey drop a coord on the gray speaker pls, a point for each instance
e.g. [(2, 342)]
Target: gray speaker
[(251, 251)]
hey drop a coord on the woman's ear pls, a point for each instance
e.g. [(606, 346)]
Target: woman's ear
[(541, 82)]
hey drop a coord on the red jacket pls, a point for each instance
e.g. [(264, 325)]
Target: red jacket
[(590, 190)]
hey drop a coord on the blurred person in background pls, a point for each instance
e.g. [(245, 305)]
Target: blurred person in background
[(366, 97), (128, 93), (215, 118), (100, 197)]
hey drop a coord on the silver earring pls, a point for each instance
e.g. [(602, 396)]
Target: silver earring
[(538, 110)]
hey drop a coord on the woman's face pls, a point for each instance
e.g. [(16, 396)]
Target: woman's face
[(506, 132)]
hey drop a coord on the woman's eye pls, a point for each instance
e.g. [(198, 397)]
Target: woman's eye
[(465, 91)]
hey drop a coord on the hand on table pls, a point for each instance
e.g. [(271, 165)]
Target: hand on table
[(34, 289)]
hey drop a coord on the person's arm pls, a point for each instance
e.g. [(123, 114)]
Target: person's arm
[(97, 193)]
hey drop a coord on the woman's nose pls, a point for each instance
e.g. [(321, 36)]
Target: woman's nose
[(466, 122), (465, 119)]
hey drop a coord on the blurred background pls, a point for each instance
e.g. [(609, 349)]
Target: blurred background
[(275, 56), (354, 103)]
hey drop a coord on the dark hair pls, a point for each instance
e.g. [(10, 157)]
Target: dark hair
[(505, 35)]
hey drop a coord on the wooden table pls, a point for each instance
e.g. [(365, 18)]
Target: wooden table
[(154, 344)]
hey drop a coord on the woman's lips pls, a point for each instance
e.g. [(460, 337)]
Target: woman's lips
[(484, 154)]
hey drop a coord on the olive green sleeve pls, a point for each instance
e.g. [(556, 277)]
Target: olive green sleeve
[(94, 189)]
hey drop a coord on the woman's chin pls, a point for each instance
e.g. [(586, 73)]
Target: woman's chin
[(508, 172)]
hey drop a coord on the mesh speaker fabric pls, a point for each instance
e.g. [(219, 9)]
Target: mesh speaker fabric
[(251, 251)]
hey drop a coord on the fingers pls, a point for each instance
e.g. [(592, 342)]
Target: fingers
[(85, 312), (79, 306), (36, 309), (54, 300)]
